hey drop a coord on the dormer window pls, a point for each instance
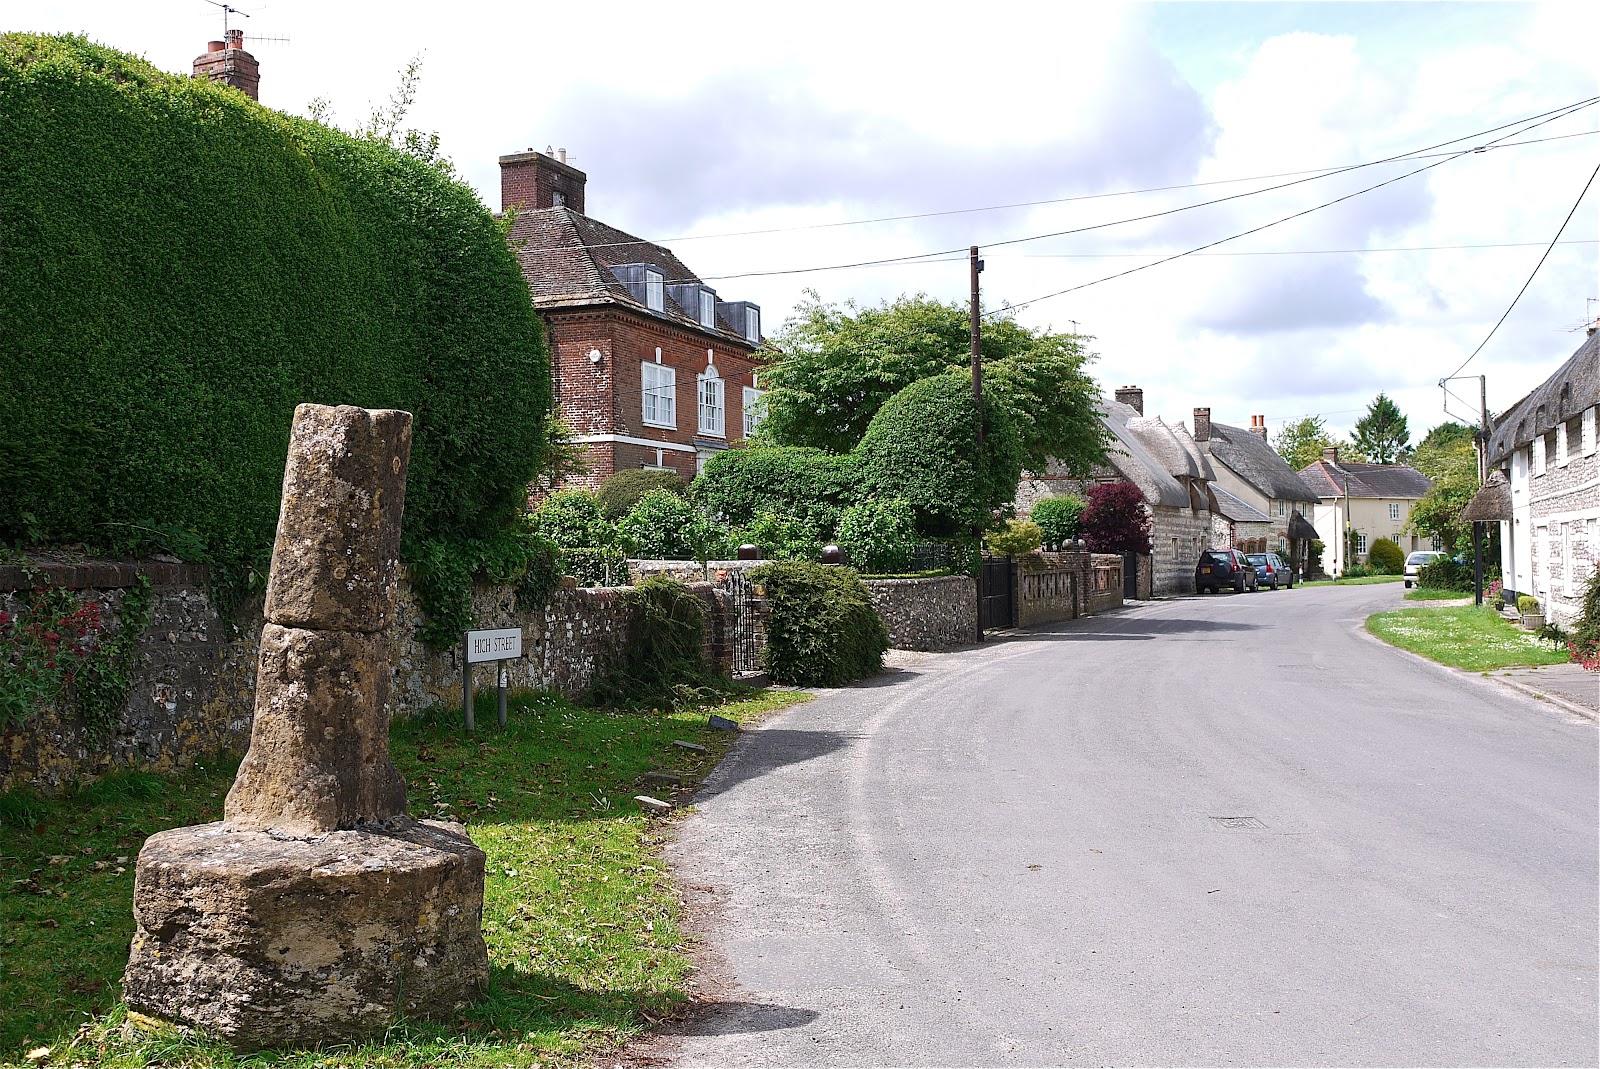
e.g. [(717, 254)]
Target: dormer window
[(708, 309), (655, 290), (752, 324)]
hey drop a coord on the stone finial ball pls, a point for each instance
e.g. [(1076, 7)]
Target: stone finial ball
[(832, 554), (749, 552)]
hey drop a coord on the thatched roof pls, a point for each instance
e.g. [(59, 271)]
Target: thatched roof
[(1574, 387), (1492, 501), (1300, 528)]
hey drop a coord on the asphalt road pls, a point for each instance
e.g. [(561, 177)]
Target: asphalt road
[(1223, 831)]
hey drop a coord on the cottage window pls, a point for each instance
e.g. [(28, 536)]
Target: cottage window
[(1282, 505), (655, 291), (711, 403), (1394, 511), (1561, 445), (1539, 460), (708, 309), (1361, 543), (1570, 589), (1588, 431), (754, 410), (752, 324), (659, 385)]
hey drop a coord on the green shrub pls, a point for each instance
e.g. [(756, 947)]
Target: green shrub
[(877, 536), (1018, 537), (665, 526), (810, 486), (1358, 571), (1527, 605), (184, 266), (1446, 573), (572, 520), (442, 576), (779, 537), (606, 566), (1058, 518), (618, 494), (921, 447), (663, 663), (1387, 557), (822, 630)]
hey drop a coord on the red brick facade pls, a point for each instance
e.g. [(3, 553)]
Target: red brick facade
[(605, 399), (531, 180)]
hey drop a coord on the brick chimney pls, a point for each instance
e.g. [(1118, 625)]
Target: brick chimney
[(1258, 427), (532, 180), (1202, 424), (1331, 454), (1131, 396), (227, 62)]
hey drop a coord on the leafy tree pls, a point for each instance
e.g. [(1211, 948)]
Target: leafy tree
[(1439, 514), (810, 486), (1058, 518), (1441, 451), (1116, 520), (921, 448), (1301, 443), (877, 536), (1381, 434), (841, 364)]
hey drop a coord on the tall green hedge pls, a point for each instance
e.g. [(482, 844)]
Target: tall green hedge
[(182, 266), (822, 630), (811, 485)]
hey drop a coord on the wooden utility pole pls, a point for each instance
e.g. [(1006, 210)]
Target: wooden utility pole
[(977, 362)]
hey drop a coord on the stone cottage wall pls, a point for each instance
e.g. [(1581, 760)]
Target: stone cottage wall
[(1565, 507), (195, 693), (937, 613)]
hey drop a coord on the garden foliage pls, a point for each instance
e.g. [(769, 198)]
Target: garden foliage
[(877, 536), (1018, 537), (663, 663), (1059, 518), (1115, 519), (663, 525), (822, 630), (184, 266), (572, 520), (1386, 556), (1446, 573), (811, 486), (618, 494)]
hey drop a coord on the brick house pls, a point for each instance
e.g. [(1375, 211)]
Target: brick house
[(1250, 472), (1545, 445), (651, 368)]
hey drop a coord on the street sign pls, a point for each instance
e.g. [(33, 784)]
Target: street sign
[(499, 644)]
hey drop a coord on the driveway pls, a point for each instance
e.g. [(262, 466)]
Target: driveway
[(1220, 831)]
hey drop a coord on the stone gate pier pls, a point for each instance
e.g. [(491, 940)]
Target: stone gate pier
[(316, 910)]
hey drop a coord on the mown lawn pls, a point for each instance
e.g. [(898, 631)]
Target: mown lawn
[(1365, 580), (1473, 637), (1426, 593), (579, 915)]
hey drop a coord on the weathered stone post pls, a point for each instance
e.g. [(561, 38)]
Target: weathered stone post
[(316, 910)]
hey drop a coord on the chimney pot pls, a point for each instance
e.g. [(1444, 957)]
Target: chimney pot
[(1202, 424), (1331, 454), (235, 38), (216, 46), (561, 154), (1132, 396), (1258, 426), (227, 62)]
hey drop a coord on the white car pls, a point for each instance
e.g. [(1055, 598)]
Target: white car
[(1417, 561)]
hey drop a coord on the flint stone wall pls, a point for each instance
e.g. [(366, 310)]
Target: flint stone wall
[(193, 699), (937, 613)]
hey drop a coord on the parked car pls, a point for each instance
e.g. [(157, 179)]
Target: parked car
[(1218, 568), (1270, 570), (1417, 561)]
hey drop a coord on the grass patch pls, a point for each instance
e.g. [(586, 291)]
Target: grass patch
[(579, 915), (1471, 637), (1365, 580), (1427, 593)]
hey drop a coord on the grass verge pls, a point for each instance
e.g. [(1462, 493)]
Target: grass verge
[(1365, 580), (1470, 637), (579, 915), (1428, 593)]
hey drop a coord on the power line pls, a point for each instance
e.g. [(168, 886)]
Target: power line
[(1304, 252), (1256, 230), (1529, 282)]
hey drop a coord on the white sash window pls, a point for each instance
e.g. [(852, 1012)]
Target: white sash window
[(711, 407), (659, 387)]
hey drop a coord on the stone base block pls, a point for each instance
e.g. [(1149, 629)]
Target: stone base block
[(266, 941)]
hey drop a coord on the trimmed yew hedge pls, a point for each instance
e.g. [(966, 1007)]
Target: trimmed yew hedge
[(183, 266)]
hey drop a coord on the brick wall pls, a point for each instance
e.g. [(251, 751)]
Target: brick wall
[(195, 693)]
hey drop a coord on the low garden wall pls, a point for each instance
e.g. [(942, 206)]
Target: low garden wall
[(193, 694), (1105, 586), (937, 613)]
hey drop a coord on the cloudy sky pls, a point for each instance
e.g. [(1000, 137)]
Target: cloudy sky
[(763, 138)]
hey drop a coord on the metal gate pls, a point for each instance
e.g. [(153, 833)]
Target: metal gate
[(1130, 577), (749, 635), (996, 606)]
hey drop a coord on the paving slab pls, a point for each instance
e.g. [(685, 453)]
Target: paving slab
[(1567, 682)]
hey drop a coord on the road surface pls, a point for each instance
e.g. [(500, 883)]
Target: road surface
[(1232, 830)]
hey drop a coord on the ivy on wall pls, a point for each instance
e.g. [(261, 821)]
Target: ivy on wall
[(183, 266)]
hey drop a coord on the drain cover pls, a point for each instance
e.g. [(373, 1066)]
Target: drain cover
[(1239, 822)]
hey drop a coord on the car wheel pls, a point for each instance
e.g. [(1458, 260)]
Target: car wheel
[(1408, 584), (1274, 583)]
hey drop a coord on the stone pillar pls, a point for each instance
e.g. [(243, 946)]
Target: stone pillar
[(316, 910)]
